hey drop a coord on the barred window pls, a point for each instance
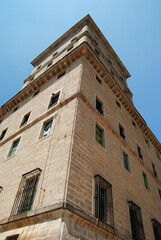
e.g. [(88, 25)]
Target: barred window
[(103, 200), (136, 222), (157, 229), (26, 192)]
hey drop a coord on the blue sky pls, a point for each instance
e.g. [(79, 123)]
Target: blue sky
[(132, 27)]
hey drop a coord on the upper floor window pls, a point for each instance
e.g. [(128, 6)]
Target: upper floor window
[(15, 109), (122, 131), (147, 142), (99, 106), (146, 184), (137, 229), (54, 99), (126, 161), (13, 148), (98, 80), (25, 119), (134, 123), (103, 200), (3, 134), (36, 93), (156, 229), (158, 155), (26, 192), (46, 128), (154, 170), (1, 189), (13, 237), (99, 135), (61, 74), (118, 104), (139, 152), (159, 191)]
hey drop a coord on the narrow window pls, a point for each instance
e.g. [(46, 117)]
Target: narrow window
[(99, 135), (13, 237), (1, 189), (146, 184), (54, 99), (70, 48), (126, 161), (39, 67), (156, 229), (147, 142), (137, 229), (158, 155), (99, 106), (103, 200), (159, 191), (36, 93), (98, 80), (122, 131), (13, 148), (54, 55), (15, 109), (25, 120), (49, 64), (139, 152), (3, 134), (133, 123), (154, 170), (61, 74), (46, 128), (26, 192), (118, 104)]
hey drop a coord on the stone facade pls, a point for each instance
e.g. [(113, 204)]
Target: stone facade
[(82, 68)]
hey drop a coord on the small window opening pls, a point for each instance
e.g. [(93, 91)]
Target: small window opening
[(3, 134), (134, 123), (36, 93), (122, 131), (154, 170), (140, 152), (118, 104), (99, 135), (46, 128), (146, 184), (126, 161), (99, 106), (13, 148), (98, 80), (54, 99), (25, 120), (15, 109), (61, 74)]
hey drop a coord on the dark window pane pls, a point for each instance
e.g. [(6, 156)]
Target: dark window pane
[(99, 135), (54, 100), (99, 106)]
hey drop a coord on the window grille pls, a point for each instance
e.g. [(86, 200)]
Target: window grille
[(54, 100), (137, 228), (103, 200), (157, 229), (26, 192)]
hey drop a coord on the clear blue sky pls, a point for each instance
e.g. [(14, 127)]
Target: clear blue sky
[(132, 27)]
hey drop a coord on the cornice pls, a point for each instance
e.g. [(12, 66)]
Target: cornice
[(83, 50)]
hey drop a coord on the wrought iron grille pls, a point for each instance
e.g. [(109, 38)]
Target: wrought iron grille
[(103, 200), (136, 222), (26, 192), (157, 229)]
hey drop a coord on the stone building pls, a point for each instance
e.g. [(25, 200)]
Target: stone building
[(77, 160)]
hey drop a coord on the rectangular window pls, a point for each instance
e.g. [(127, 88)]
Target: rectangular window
[(134, 123), (99, 135), (15, 109), (126, 161), (3, 134), (46, 128), (156, 229), (13, 237), (54, 99), (25, 120), (13, 148), (99, 106), (154, 170), (61, 74), (98, 80), (122, 131), (137, 229), (26, 192), (140, 152), (158, 155), (147, 142), (146, 184), (36, 93), (118, 104), (103, 200), (159, 191)]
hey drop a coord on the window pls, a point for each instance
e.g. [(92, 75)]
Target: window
[(147, 142), (3, 134), (49, 64), (55, 54), (61, 74), (118, 104), (154, 170), (103, 200), (134, 123), (46, 128), (1, 189), (139, 152), (13, 148), (137, 229), (126, 161), (26, 192), (36, 93), (159, 191), (146, 184), (13, 237), (70, 48), (54, 100), (99, 135), (15, 109), (122, 131), (98, 80), (156, 229), (39, 67), (99, 106), (25, 120), (158, 155)]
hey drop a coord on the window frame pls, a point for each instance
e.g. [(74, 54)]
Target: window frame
[(24, 121), (12, 237), (154, 170), (122, 131), (3, 133), (102, 143), (139, 151), (127, 162), (12, 147), (43, 128), (101, 110), (54, 95)]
